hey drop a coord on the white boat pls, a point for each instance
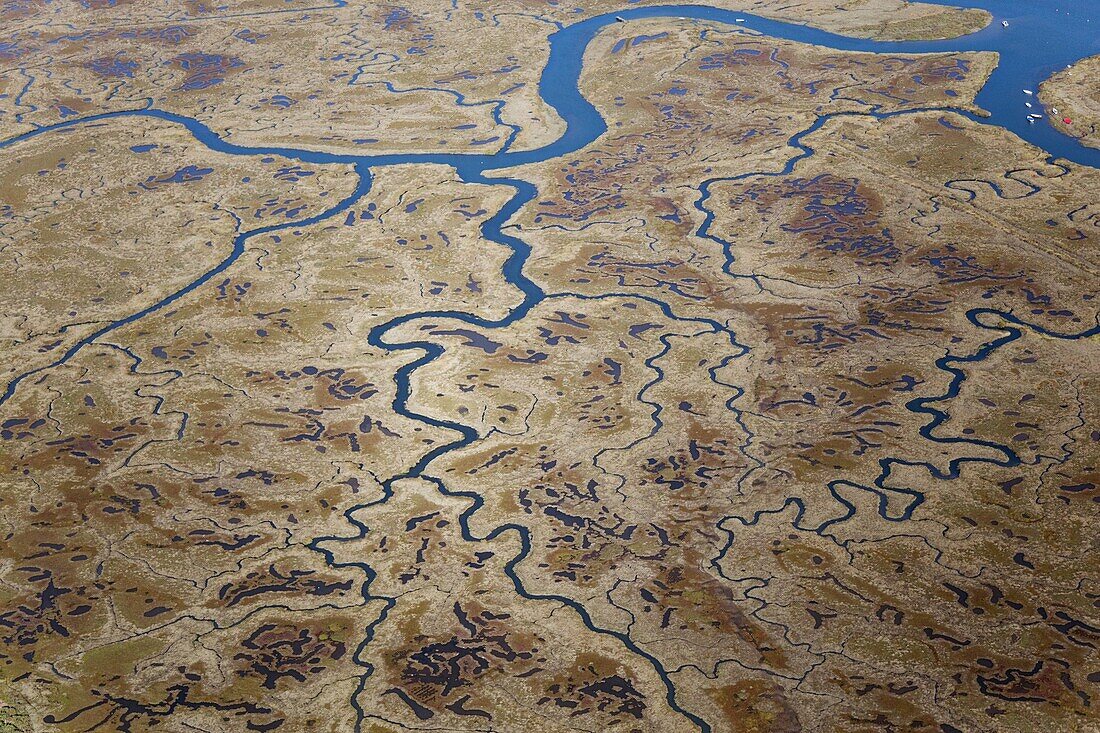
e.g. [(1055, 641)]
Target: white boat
[(1004, 23), (1027, 104), (620, 19), (739, 20), (1028, 92)]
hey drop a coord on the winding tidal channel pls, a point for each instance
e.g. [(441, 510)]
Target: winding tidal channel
[(1038, 41)]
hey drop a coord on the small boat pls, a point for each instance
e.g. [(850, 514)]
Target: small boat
[(1033, 116), (739, 20), (1054, 111), (620, 19), (1028, 92), (1027, 104), (1004, 23)]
